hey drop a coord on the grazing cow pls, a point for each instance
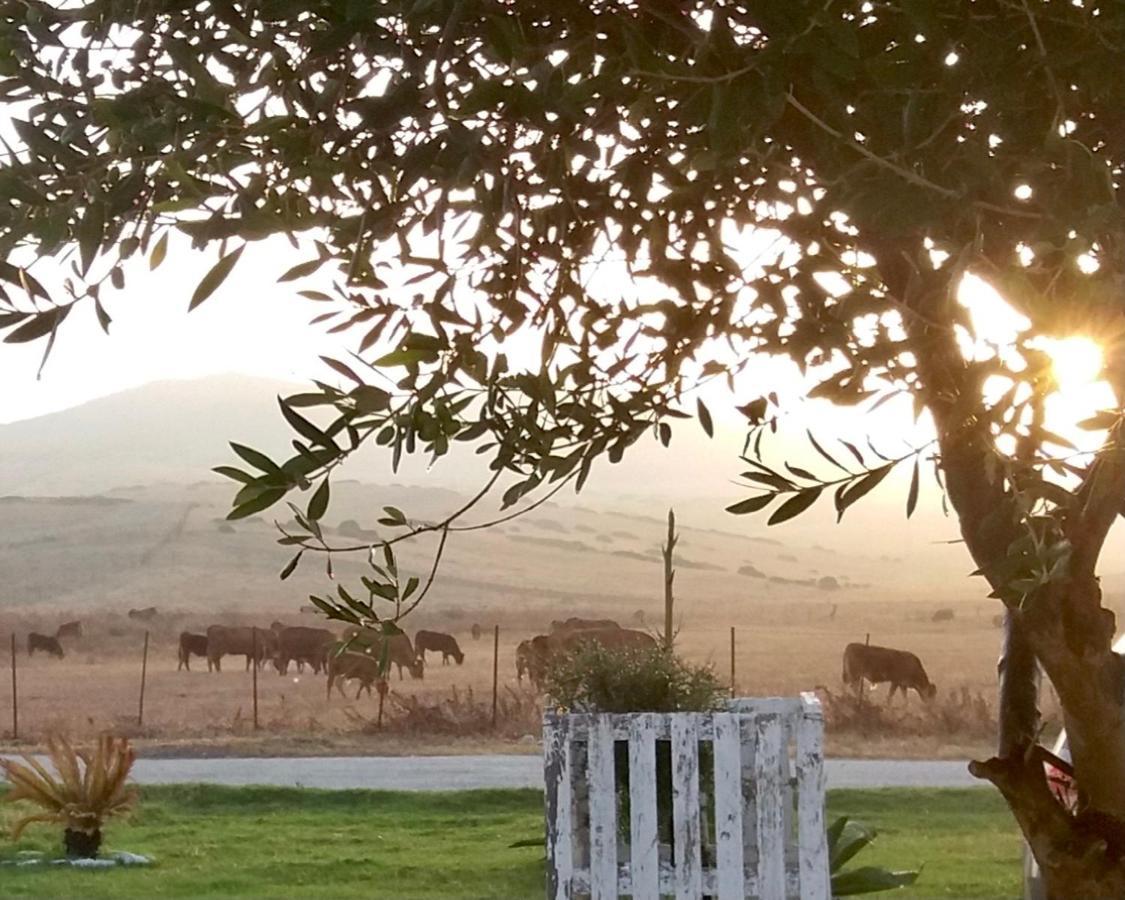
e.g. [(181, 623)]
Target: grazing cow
[(69, 630), (523, 660), (476, 631), (400, 652), (864, 662), (438, 642), (191, 644), (302, 645), (942, 615), (44, 642), (576, 624), (544, 648), (241, 641), (359, 666), (616, 638), (143, 615)]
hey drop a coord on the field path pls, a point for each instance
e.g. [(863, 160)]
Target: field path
[(451, 773)]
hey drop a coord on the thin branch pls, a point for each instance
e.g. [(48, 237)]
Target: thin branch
[(443, 525), (519, 512), (698, 79), (429, 581), (1060, 110), (1104, 493), (902, 172)]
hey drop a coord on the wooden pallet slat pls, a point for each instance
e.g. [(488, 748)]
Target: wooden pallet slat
[(644, 867), (771, 819), (685, 807), (559, 807), (812, 841), (603, 811), (728, 807)]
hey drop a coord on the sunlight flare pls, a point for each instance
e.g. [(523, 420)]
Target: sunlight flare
[(1075, 361)]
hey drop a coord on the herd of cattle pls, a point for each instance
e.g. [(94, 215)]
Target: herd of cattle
[(358, 653)]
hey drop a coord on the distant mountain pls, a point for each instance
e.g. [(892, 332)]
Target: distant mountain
[(171, 431)]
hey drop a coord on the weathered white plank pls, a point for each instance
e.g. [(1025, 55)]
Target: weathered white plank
[(811, 835), (603, 811), (765, 706), (749, 735), (559, 806), (685, 807), (728, 807), (788, 786), (644, 865), (771, 835)]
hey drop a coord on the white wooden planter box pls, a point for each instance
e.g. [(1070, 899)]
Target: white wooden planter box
[(747, 823)]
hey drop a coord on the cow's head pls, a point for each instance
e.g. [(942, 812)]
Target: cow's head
[(929, 691), (418, 668), (459, 656)]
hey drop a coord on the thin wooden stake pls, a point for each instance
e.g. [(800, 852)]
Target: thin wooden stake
[(732, 660), (254, 669), (144, 672), (15, 694), (495, 669), (669, 578)]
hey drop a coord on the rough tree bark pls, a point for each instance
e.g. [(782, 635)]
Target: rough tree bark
[(1063, 626)]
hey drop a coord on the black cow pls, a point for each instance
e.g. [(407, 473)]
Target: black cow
[(45, 643), (191, 644), (439, 642)]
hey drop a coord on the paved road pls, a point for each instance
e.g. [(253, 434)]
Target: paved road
[(429, 773)]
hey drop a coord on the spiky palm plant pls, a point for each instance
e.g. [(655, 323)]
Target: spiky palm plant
[(88, 788)]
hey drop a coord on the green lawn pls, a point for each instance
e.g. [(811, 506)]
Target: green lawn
[(275, 842)]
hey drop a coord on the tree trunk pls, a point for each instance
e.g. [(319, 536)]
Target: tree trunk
[(1062, 624), (82, 844), (1018, 671)]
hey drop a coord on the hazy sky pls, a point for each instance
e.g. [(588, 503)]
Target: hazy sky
[(251, 325)]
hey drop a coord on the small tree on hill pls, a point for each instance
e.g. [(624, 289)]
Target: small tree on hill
[(579, 174)]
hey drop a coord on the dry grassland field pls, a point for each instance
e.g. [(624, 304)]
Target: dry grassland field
[(93, 559)]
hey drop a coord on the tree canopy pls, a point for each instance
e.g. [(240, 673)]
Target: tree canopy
[(651, 193)]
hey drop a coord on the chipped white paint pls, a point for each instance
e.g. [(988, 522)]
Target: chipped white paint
[(644, 859), (728, 807), (603, 811), (747, 848), (812, 843), (685, 807), (771, 830)]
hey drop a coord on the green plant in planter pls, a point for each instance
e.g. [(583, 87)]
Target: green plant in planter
[(652, 679), (88, 788), (847, 838)]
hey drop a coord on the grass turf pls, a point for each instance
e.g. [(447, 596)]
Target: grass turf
[(212, 841)]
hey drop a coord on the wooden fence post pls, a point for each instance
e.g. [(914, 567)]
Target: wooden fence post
[(144, 672), (254, 670), (495, 669), (15, 695), (732, 689)]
